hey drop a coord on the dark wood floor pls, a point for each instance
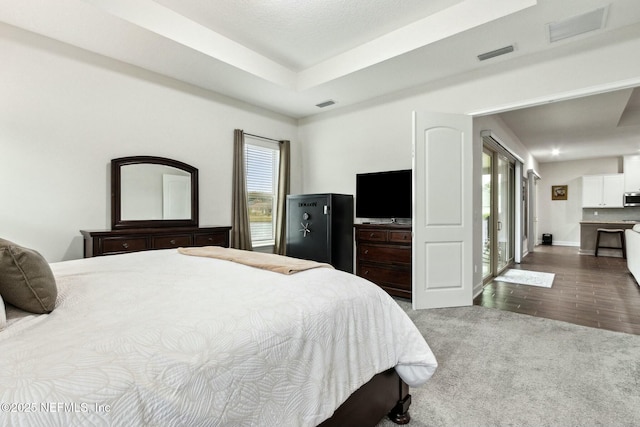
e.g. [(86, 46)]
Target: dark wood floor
[(592, 291)]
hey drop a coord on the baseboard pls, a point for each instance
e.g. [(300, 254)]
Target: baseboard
[(564, 243), (477, 289)]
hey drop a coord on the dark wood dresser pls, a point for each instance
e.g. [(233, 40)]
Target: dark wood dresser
[(384, 256), (109, 242)]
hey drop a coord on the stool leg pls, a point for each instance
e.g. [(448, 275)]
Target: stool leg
[(624, 250), (597, 242)]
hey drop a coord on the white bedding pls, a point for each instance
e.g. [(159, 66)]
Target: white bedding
[(159, 338)]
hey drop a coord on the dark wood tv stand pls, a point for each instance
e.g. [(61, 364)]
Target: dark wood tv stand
[(384, 256)]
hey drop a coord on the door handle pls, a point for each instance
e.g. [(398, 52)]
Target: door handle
[(499, 226)]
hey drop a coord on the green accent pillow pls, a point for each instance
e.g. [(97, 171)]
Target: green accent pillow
[(26, 280)]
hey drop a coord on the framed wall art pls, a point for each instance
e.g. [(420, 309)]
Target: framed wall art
[(559, 192)]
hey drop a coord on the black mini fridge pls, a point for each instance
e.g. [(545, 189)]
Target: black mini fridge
[(320, 228)]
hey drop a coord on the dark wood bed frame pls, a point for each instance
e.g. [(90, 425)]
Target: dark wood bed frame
[(384, 394)]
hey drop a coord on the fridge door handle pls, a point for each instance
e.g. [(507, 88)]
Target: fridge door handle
[(326, 210)]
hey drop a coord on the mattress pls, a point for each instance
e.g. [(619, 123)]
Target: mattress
[(160, 338)]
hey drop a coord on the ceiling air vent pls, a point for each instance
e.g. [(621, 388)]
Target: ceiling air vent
[(577, 25), (494, 53), (325, 103)]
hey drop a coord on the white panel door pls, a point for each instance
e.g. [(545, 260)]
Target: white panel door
[(442, 261)]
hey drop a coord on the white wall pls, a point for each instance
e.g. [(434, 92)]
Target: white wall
[(338, 147), (562, 218), (65, 113)]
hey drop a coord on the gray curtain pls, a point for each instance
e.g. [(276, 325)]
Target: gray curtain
[(283, 190), (240, 231)]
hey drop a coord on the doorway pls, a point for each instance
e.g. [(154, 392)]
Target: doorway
[(498, 212)]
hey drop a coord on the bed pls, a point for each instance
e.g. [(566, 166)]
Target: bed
[(163, 338)]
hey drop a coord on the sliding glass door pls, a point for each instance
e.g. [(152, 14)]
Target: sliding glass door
[(505, 210), (487, 227), (498, 197)]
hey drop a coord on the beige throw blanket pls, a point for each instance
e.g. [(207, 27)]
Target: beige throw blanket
[(271, 262)]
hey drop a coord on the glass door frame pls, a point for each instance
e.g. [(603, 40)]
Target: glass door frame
[(505, 221), (494, 224), (487, 215)]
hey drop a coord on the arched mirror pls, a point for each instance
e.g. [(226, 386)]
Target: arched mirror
[(149, 191)]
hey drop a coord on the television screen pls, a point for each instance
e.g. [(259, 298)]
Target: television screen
[(384, 194)]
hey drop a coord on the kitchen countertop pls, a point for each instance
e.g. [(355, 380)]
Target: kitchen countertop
[(588, 236), (626, 221)]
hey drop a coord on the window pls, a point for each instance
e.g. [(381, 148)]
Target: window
[(262, 159)]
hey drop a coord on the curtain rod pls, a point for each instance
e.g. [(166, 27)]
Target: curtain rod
[(261, 137)]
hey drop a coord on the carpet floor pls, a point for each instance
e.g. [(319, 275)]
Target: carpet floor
[(498, 368)]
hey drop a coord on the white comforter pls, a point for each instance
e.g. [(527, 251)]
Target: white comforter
[(160, 338)]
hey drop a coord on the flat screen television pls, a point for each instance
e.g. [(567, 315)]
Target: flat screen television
[(384, 194)]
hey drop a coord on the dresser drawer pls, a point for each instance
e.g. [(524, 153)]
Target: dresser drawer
[(398, 278), (400, 236), (173, 241), (112, 245), (372, 235), (385, 254), (213, 239), (108, 242)]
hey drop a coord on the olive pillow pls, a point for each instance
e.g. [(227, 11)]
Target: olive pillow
[(26, 280)]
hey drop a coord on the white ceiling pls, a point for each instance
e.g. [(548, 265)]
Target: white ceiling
[(301, 33), (590, 127), (289, 55)]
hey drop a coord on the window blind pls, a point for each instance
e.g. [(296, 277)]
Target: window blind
[(262, 175)]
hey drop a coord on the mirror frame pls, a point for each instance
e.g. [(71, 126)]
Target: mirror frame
[(116, 182)]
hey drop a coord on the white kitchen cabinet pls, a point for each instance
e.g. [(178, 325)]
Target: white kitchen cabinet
[(603, 191), (631, 166)]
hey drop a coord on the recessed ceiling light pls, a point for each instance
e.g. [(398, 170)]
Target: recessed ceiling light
[(555, 152)]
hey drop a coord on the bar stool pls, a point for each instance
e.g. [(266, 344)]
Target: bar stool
[(611, 231)]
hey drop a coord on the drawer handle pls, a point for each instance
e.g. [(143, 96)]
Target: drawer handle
[(210, 239), (366, 272), (366, 251), (372, 234), (172, 241), (125, 245)]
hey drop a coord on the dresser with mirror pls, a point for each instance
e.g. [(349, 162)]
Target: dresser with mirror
[(154, 205)]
